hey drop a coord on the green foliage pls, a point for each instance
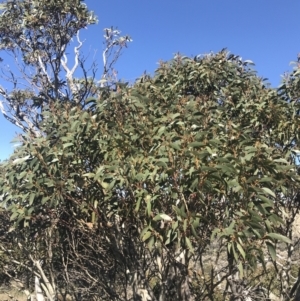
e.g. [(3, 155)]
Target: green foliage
[(203, 149), (37, 35), (202, 153), (28, 25)]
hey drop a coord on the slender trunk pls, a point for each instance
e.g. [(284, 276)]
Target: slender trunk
[(38, 290)]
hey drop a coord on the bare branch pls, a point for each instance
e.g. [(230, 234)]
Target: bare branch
[(112, 40), (70, 73), (49, 288)]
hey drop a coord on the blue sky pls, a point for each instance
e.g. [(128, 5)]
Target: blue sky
[(265, 31)]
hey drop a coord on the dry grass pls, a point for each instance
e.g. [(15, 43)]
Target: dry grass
[(11, 294)]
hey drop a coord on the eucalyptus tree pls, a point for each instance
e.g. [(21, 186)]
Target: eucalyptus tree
[(35, 39), (136, 190), (125, 193), (36, 35)]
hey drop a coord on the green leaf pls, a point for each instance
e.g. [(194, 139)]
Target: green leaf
[(146, 236), (280, 237), (138, 204), (65, 145), (21, 160), (175, 145), (105, 185), (269, 191), (229, 231), (281, 160), (161, 130), (196, 144), (194, 231), (241, 250), (185, 224), (189, 244), (272, 250), (266, 200), (241, 269), (44, 200), (31, 199), (151, 242), (145, 230), (89, 175), (14, 216), (174, 225), (149, 210), (162, 216)]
